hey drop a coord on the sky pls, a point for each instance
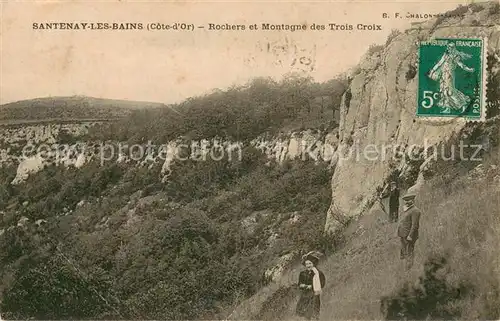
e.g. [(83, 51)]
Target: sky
[(168, 66)]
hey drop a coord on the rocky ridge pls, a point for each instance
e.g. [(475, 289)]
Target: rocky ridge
[(32, 148), (379, 107)]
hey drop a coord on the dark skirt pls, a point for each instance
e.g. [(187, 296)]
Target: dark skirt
[(308, 305)]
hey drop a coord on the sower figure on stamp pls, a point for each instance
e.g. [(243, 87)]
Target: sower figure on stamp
[(444, 72), (393, 193), (311, 282), (408, 228)]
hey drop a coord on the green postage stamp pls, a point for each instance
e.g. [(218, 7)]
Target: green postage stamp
[(452, 78)]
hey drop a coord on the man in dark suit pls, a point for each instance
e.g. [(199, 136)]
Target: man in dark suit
[(393, 193), (408, 228)]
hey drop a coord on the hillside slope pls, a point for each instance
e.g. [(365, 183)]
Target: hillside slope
[(456, 272), (108, 237), (68, 108), (378, 108)]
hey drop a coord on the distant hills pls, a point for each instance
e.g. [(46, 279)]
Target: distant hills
[(69, 108)]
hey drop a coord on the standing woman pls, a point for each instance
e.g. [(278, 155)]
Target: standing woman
[(311, 282)]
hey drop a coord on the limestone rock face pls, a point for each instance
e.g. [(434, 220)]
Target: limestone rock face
[(27, 166), (378, 110), (36, 147)]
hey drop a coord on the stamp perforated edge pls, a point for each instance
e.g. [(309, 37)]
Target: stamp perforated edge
[(484, 79)]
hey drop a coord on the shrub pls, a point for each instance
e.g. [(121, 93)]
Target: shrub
[(374, 49), (394, 33), (476, 7), (431, 298), (495, 8)]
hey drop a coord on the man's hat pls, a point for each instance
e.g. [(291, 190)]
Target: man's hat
[(312, 256)]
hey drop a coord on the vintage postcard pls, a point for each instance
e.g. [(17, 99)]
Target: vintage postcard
[(238, 160)]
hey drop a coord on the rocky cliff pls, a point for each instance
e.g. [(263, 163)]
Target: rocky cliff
[(379, 109), (32, 148)]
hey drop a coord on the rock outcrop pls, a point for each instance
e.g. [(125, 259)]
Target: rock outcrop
[(46, 133), (377, 111), (32, 148)]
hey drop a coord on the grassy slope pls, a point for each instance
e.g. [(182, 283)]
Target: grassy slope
[(460, 223), (370, 267)]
